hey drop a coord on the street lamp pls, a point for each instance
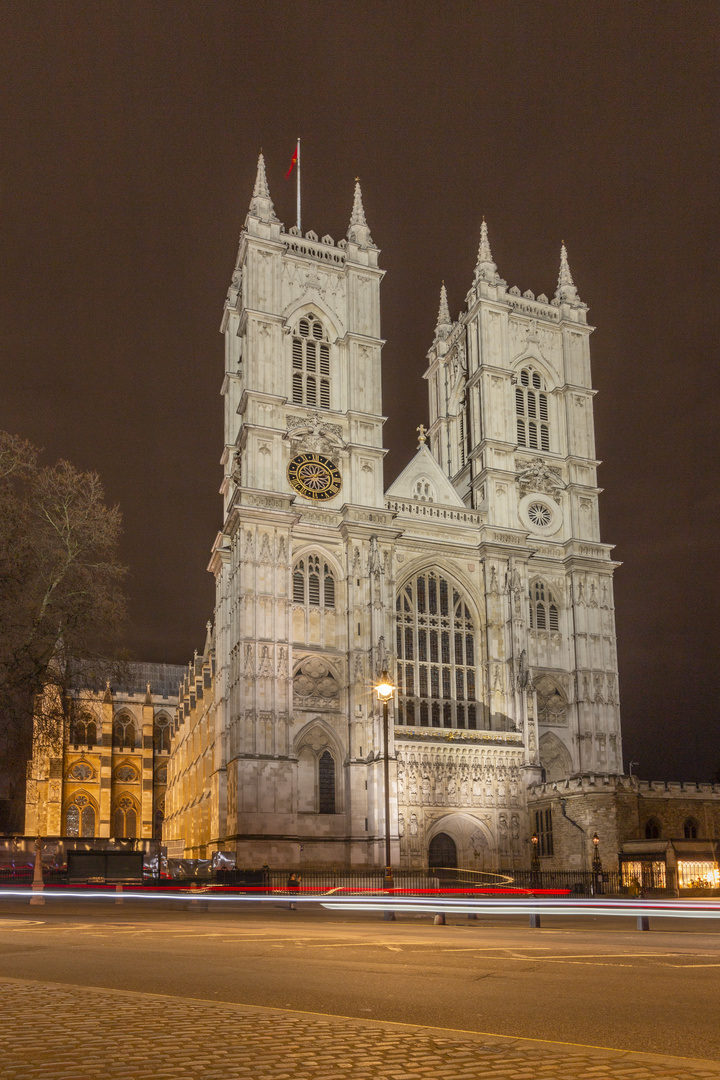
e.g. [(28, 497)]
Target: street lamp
[(535, 860), (385, 691)]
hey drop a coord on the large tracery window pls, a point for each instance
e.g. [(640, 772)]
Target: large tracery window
[(436, 655), (544, 614), (313, 583), (311, 364), (531, 407), (162, 733)]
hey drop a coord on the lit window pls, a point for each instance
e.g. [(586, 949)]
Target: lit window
[(436, 655), (80, 816)]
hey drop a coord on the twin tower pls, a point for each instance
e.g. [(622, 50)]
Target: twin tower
[(478, 579)]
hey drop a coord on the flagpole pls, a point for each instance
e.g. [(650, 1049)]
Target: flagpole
[(298, 186)]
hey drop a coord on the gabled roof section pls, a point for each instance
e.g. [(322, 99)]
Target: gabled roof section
[(423, 470)]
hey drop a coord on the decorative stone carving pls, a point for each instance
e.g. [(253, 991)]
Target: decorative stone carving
[(314, 687), (536, 475), (552, 702), (314, 435)]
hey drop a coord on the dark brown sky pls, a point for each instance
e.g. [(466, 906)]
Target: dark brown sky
[(129, 135)]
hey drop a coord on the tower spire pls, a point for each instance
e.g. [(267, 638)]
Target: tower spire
[(566, 291), (444, 322), (358, 231), (485, 268), (261, 205)]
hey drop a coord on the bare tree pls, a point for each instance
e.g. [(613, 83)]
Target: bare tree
[(61, 601)]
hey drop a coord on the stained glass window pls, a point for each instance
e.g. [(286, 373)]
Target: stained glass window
[(436, 655)]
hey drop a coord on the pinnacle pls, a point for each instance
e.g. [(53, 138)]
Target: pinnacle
[(443, 318), (261, 185), (485, 268), (358, 210), (566, 290), (261, 205), (358, 231)]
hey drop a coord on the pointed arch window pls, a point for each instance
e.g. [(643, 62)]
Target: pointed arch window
[(690, 829), (531, 409), (311, 364), (313, 583), (83, 728), (80, 816), (125, 818), (544, 608), (652, 829), (162, 731), (124, 732), (436, 655), (326, 783)]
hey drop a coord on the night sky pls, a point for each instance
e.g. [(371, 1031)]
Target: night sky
[(130, 133)]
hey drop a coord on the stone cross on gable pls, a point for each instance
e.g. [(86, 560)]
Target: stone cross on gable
[(422, 433)]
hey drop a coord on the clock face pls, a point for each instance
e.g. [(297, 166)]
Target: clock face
[(314, 476)]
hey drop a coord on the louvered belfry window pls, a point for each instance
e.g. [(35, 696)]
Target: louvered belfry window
[(436, 655), (544, 611), (313, 583), (531, 408), (311, 364)]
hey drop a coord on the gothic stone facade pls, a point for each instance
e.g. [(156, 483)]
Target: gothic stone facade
[(478, 579), (103, 772)]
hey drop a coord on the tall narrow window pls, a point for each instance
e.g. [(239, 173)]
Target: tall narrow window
[(436, 654), (125, 818), (544, 609), (311, 364), (124, 732), (162, 732), (543, 828), (531, 408), (313, 582), (326, 783)]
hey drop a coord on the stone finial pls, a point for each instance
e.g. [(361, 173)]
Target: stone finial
[(148, 695), (261, 205), (208, 639), (108, 693), (485, 268), (566, 291), (443, 318), (358, 231)]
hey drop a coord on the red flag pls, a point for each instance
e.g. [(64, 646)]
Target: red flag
[(293, 163)]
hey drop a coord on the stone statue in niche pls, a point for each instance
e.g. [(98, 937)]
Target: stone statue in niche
[(401, 825)]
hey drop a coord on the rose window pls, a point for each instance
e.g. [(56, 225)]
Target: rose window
[(539, 514)]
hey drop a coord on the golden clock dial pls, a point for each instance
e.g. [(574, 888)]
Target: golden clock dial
[(314, 476)]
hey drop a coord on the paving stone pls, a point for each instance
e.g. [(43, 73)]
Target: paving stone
[(41, 1039)]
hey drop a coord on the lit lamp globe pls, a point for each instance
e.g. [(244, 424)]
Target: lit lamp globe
[(385, 688)]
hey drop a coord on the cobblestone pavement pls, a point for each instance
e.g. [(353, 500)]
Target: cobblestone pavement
[(49, 1031)]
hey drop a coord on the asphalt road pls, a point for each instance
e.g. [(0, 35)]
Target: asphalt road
[(592, 982)]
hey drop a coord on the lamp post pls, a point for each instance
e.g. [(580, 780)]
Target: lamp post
[(597, 864), (385, 691), (36, 896)]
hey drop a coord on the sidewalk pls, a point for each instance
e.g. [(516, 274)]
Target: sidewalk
[(49, 1031)]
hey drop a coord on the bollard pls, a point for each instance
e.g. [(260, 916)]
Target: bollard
[(118, 894), (535, 920), (643, 922), (439, 919)]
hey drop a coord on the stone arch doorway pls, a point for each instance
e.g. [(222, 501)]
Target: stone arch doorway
[(442, 852)]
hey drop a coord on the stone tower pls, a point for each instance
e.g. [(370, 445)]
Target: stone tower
[(511, 424), (304, 590)]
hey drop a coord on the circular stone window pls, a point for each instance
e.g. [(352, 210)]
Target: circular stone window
[(540, 514)]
